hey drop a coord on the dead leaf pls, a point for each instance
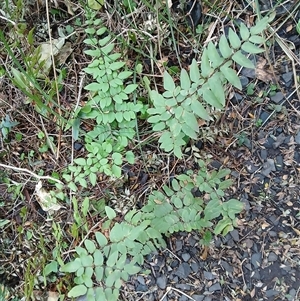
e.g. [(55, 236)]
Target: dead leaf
[(53, 296), (64, 53), (297, 231), (263, 73), (45, 199), (204, 254)]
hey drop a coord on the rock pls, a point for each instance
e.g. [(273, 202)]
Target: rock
[(297, 138), (186, 256), (162, 282), (208, 275), (183, 270), (198, 297), (268, 167), (215, 287), (279, 162), (272, 257), (287, 78), (264, 116), (256, 260), (244, 81), (183, 286), (278, 97)]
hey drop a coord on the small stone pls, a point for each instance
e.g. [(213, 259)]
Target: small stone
[(215, 287), (264, 116), (192, 241), (78, 146), (237, 98), (186, 256), (251, 168), (263, 154), (228, 268), (268, 167), (178, 245), (141, 280), (174, 263), (235, 235), (256, 260), (272, 257), (272, 233), (269, 143), (279, 162), (277, 98), (248, 72), (183, 270), (244, 81), (198, 297), (208, 275), (142, 288), (297, 138), (183, 286), (279, 140), (287, 78), (195, 267), (162, 282), (270, 293)]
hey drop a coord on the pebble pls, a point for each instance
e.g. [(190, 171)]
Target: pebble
[(198, 297), (208, 275), (287, 78), (297, 138), (183, 286), (244, 81), (215, 287), (183, 270), (268, 167), (270, 293), (277, 98), (264, 116), (272, 257), (263, 154), (256, 260), (235, 235), (279, 162), (186, 256), (162, 282)]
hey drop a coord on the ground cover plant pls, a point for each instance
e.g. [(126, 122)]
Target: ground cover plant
[(109, 231)]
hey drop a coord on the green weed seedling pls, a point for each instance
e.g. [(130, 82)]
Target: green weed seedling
[(107, 258)]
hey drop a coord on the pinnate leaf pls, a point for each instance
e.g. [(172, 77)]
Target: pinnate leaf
[(194, 72), (244, 31), (231, 76), (169, 84), (185, 82), (77, 291), (225, 49), (251, 48), (111, 214), (242, 60), (234, 39), (214, 56), (90, 246)]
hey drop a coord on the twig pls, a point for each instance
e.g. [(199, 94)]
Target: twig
[(177, 290), (27, 171), (55, 79)]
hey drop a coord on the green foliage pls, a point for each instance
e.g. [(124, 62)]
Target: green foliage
[(111, 260), (176, 208), (176, 111), (191, 201), (110, 108), (6, 125)]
